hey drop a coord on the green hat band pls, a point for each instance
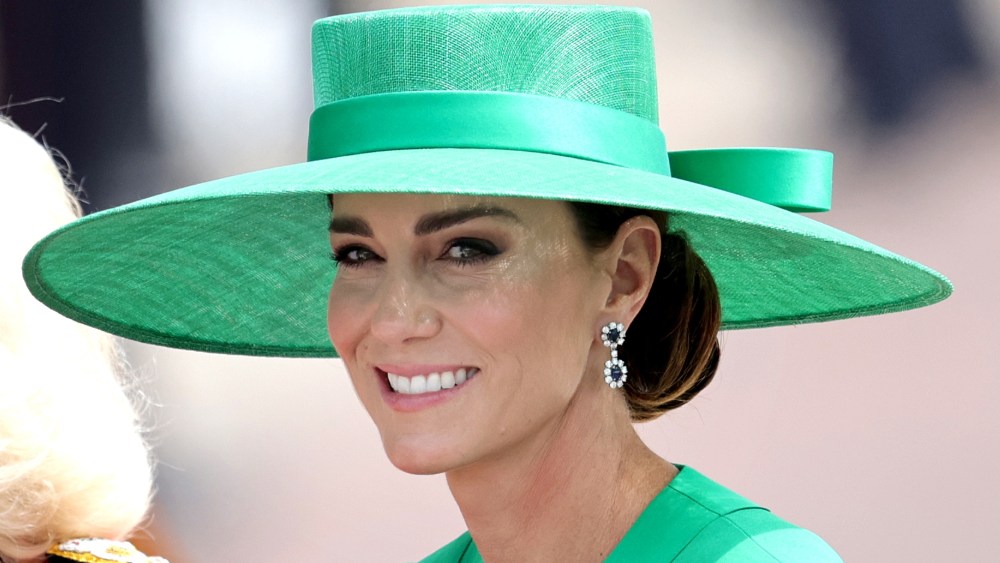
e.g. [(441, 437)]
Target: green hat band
[(799, 180), (494, 120)]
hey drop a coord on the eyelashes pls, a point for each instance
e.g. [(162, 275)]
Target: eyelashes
[(352, 256), (461, 252), (466, 251)]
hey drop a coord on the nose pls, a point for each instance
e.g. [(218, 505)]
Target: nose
[(404, 312)]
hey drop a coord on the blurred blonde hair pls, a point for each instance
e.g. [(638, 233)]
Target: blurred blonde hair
[(72, 460)]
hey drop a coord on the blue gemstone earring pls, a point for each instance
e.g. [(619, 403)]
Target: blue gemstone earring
[(615, 372)]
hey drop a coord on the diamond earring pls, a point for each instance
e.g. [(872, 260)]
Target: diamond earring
[(615, 372)]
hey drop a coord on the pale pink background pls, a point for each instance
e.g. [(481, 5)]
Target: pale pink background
[(878, 433)]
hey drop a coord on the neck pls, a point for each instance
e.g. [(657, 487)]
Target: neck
[(571, 494)]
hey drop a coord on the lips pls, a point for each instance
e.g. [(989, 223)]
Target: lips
[(432, 382)]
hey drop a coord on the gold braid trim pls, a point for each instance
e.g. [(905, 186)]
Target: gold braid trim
[(97, 550)]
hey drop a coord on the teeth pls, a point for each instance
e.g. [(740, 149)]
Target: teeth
[(433, 383), (420, 384), (447, 380)]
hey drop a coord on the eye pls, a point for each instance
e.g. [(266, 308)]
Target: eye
[(354, 256), (470, 251)]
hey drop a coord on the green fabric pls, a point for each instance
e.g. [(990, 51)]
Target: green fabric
[(241, 265), (795, 180), (756, 535), (487, 120), (694, 520)]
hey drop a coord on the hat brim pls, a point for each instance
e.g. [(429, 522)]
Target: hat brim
[(241, 265)]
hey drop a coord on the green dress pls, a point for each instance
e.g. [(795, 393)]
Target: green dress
[(694, 519)]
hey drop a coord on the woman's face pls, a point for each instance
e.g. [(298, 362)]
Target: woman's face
[(468, 324)]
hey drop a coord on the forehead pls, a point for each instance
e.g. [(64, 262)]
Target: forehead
[(411, 207)]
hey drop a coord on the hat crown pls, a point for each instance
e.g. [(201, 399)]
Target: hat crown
[(596, 54)]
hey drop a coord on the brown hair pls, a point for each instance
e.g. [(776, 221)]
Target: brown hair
[(672, 349)]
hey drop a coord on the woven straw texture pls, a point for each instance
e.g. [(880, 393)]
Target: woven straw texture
[(545, 50)]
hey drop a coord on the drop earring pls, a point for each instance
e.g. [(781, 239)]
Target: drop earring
[(615, 372)]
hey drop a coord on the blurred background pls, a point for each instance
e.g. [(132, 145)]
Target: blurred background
[(878, 433)]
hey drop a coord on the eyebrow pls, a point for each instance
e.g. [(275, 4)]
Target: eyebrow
[(427, 224), (350, 226), (433, 222)]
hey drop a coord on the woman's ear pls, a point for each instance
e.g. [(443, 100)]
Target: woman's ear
[(631, 261)]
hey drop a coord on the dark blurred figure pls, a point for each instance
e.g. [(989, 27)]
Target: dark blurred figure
[(92, 56), (897, 51)]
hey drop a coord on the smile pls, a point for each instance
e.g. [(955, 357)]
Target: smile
[(431, 382)]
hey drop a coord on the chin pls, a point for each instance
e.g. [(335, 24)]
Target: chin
[(419, 459)]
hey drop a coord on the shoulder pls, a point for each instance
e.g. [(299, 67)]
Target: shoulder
[(451, 553), (736, 529), (755, 534), (695, 519)]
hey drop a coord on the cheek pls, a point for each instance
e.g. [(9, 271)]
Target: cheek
[(343, 322), (534, 321), (498, 308)]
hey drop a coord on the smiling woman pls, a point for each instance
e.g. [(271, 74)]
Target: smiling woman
[(508, 295), (520, 272)]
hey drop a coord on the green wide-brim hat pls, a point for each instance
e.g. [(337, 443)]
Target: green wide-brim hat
[(551, 102)]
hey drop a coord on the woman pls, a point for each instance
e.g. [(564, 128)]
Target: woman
[(477, 348), (73, 464), (522, 271)]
